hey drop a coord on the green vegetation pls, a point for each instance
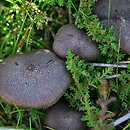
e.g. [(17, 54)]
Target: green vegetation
[(26, 25)]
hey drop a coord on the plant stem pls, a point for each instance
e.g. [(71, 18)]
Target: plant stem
[(128, 126), (78, 10), (15, 45), (109, 11), (69, 14)]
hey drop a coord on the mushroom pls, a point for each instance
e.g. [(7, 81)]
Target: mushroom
[(121, 27), (69, 37), (118, 8), (33, 80), (125, 36), (62, 117)]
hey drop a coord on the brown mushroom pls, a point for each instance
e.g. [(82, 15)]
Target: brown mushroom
[(62, 117), (33, 80), (118, 8), (69, 37)]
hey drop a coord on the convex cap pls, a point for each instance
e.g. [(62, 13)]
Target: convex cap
[(33, 80), (62, 117), (69, 37)]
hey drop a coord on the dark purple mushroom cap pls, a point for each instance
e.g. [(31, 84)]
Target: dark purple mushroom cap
[(33, 80), (118, 8), (122, 29), (125, 36), (61, 117), (69, 37)]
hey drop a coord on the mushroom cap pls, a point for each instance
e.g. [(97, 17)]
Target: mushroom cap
[(33, 80), (125, 36), (69, 37), (118, 8), (124, 26), (61, 117)]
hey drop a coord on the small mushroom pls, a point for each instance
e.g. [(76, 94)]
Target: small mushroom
[(121, 27), (69, 37), (118, 8), (62, 117), (33, 80)]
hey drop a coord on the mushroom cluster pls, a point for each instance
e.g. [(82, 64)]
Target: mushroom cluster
[(119, 18), (39, 79)]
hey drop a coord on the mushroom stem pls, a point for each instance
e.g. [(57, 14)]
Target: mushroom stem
[(121, 119), (108, 65)]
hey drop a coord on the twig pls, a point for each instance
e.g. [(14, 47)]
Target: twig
[(108, 65), (112, 76), (121, 119), (48, 127), (124, 62)]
